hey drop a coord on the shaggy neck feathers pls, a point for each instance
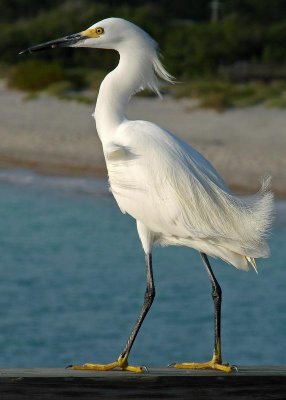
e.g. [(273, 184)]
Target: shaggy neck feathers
[(139, 68)]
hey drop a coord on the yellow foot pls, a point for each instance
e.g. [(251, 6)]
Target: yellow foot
[(121, 363), (207, 365)]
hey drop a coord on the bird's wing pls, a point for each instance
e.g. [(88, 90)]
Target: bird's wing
[(162, 175), (171, 188)]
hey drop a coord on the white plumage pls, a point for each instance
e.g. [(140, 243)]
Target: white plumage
[(172, 191)]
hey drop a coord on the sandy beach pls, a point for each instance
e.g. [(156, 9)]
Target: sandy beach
[(59, 137)]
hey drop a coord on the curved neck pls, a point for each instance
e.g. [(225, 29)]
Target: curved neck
[(114, 95)]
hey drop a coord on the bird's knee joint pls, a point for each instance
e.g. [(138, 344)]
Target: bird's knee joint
[(216, 293), (149, 295)]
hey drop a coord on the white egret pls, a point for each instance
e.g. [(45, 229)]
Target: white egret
[(172, 191)]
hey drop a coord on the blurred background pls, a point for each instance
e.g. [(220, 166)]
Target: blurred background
[(71, 266), (225, 41)]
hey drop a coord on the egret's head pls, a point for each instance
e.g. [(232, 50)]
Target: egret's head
[(114, 33), (110, 33), (123, 36)]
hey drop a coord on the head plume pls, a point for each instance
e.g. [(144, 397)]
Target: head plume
[(154, 70), (144, 50)]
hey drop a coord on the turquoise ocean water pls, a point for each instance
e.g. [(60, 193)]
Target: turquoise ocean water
[(72, 279)]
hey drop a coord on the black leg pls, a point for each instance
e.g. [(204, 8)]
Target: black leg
[(217, 297), (122, 361), (216, 361), (148, 300)]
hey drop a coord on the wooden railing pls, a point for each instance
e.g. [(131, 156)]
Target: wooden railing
[(245, 383)]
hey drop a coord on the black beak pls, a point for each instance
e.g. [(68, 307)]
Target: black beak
[(62, 42)]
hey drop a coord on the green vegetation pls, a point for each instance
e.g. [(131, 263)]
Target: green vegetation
[(35, 75), (195, 49), (64, 90), (222, 93)]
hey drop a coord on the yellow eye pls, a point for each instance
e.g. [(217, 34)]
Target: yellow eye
[(93, 32), (99, 31)]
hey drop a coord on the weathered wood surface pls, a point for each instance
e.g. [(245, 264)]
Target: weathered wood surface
[(261, 383)]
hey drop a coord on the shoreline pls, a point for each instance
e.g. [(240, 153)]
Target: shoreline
[(84, 171), (55, 137)]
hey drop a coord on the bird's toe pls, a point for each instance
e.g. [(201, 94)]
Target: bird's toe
[(207, 365)]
